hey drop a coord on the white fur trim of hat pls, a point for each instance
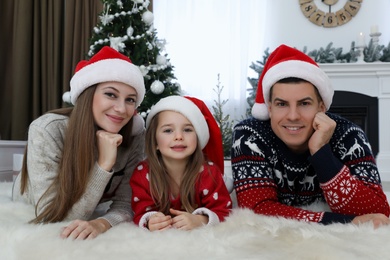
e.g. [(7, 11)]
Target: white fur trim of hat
[(187, 108), (286, 62), (107, 65)]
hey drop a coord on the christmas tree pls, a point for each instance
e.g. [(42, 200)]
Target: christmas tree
[(127, 26)]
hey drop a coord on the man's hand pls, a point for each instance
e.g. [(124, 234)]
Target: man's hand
[(80, 229), (187, 221), (377, 219), (324, 127)]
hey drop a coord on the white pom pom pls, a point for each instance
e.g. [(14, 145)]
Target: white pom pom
[(157, 87), (260, 111), (66, 97)]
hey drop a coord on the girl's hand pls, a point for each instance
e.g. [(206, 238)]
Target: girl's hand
[(159, 221), (187, 221), (107, 144), (80, 229)]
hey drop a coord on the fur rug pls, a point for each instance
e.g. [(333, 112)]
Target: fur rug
[(243, 235)]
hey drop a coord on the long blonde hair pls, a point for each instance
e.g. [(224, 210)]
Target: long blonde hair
[(159, 178), (78, 157)]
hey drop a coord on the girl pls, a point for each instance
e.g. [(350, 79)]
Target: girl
[(82, 156), (175, 186)]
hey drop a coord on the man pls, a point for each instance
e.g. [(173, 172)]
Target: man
[(293, 154)]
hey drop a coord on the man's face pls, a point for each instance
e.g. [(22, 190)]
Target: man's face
[(292, 110)]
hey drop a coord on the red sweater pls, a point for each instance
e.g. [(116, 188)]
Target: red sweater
[(211, 193)]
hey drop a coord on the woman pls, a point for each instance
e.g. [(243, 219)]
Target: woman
[(79, 157)]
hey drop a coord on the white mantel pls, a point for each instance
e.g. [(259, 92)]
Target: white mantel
[(372, 79)]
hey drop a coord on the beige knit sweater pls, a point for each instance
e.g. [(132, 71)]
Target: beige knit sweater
[(45, 144)]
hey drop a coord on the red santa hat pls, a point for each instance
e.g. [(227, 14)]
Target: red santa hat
[(196, 111), (106, 65), (286, 62)]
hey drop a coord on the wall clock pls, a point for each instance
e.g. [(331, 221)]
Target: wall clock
[(330, 17)]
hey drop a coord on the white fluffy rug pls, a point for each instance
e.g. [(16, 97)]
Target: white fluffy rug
[(243, 236)]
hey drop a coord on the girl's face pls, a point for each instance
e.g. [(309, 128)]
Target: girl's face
[(176, 136), (113, 105)]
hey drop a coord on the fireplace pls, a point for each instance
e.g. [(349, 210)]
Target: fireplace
[(360, 109), (362, 94)]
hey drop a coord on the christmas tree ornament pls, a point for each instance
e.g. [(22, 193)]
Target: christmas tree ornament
[(161, 60), (117, 43), (130, 31), (157, 87), (148, 17)]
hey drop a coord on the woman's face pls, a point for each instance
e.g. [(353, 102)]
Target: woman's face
[(113, 105)]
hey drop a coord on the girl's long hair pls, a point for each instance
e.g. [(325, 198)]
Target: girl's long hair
[(159, 178), (78, 158)]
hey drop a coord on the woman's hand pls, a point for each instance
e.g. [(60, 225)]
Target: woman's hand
[(187, 221), (107, 144), (80, 229), (377, 219), (159, 221)]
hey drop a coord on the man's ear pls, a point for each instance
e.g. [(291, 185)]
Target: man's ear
[(269, 108), (322, 106)]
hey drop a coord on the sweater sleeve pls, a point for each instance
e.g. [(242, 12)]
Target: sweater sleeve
[(350, 183), (142, 200), (214, 195), (120, 209)]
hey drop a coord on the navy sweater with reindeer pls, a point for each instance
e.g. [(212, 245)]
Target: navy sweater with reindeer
[(272, 180)]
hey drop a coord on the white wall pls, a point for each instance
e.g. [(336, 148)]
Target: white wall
[(287, 24)]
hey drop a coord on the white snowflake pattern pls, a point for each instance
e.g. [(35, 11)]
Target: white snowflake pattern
[(241, 173), (361, 171), (308, 217), (345, 187), (136, 199), (333, 197), (205, 192), (256, 171), (374, 175), (215, 195)]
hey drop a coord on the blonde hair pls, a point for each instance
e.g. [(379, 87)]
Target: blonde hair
[(77, 161), (159, 178)]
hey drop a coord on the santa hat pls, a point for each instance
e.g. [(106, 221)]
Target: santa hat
[(286, 62), (206, 128), (106, 65)]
